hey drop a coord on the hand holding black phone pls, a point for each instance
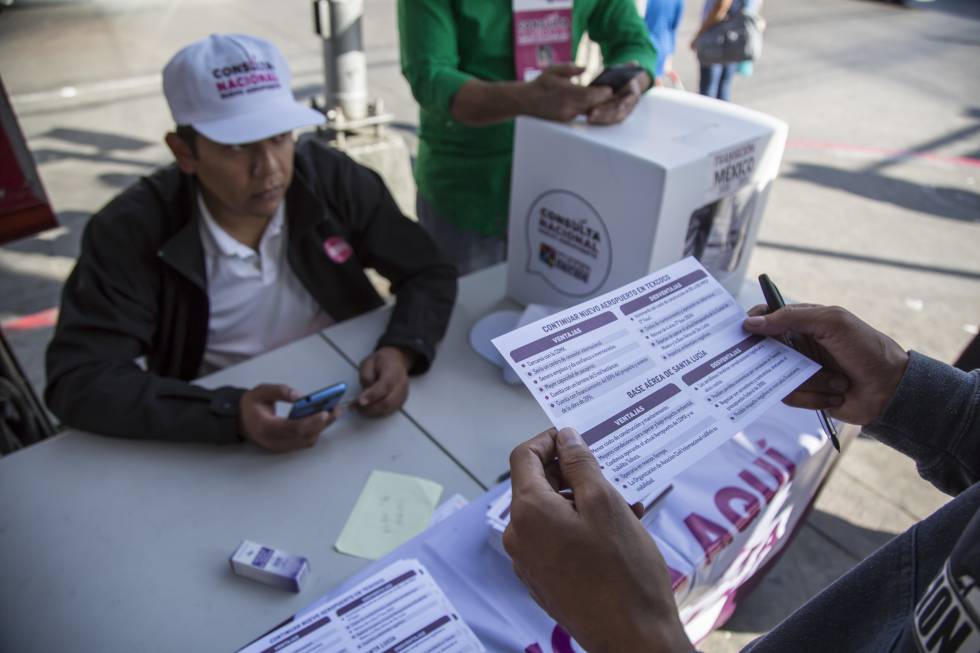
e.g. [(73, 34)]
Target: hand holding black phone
[(616, 77)]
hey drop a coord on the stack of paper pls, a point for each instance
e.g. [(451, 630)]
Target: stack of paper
[(400, 609), (448, 508), (498, 516)]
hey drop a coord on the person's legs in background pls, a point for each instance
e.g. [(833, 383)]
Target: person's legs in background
[(716, 80), (468, 251), (708, 82), (725, 78)]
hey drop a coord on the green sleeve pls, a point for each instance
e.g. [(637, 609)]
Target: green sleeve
[(429, 56), (622, 35)]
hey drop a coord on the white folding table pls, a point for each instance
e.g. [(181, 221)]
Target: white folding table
[(123, 545)]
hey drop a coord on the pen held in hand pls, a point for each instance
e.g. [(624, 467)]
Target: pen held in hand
[(803, 344)]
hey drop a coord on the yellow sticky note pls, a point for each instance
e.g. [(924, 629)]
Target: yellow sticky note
[(392, 509)]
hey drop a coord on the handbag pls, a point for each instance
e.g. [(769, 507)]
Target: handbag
[(737, 38)]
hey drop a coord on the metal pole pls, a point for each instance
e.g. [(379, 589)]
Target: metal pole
[(338, 22)]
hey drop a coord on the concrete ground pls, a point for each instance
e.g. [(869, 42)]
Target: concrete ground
[(877, 208)]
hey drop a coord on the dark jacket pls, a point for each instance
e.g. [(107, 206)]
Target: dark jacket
[(139, 289), (919, 592)]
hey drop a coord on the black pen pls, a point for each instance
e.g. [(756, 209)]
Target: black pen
[(802, 344)]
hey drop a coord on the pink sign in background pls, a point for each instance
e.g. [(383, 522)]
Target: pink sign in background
[(541, 38)]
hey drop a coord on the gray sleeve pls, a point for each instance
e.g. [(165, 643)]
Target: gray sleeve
[(934, 418)]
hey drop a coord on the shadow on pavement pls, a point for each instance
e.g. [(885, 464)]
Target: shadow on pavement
[(941, 201), (118, 179), (105, 145), (944, 39), (47, 155), (102, 141), (929, 146), (871, 181), (407, 127), (308, 91), (964, 8), (874, 260), (961, 8)]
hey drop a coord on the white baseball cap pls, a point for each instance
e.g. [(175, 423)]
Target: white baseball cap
[(234, 89)]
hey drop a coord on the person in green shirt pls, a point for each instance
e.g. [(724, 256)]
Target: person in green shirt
[(457, 56)]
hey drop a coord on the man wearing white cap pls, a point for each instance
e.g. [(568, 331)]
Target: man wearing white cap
[(247, 242)]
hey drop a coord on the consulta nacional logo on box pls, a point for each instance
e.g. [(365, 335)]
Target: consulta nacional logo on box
[(568, 243)]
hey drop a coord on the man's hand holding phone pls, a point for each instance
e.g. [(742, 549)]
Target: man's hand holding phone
[(629, 82), (384, 377), (258, 422), (553, 95), (323, 400)]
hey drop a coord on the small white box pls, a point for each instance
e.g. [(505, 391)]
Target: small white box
[(270, 566), (595, 207)]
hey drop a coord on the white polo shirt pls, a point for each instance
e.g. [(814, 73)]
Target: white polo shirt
[(257, 303)]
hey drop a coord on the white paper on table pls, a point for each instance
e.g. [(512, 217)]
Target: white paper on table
[(448, 508), (400, 608), (654, 375)]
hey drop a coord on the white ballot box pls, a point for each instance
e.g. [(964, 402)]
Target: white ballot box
[(593, 208)]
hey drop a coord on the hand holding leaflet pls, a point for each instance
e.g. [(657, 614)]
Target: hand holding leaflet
[(654, 375)]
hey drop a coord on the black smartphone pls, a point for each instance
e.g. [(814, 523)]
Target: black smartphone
[(321, 400), (616, 77)]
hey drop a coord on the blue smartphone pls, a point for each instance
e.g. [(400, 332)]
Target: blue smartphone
[(321, 400)]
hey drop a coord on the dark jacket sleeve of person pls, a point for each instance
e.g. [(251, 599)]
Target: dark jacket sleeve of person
[(111, 315), (919, 591), (934, 418), (423, 283)]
